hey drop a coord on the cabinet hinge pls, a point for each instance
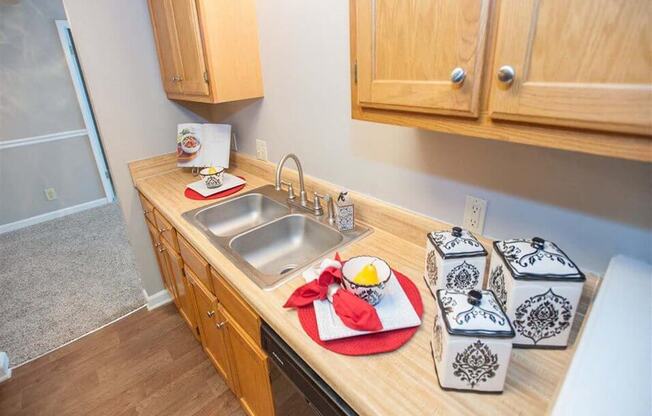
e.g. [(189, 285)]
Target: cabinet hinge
[(206, 76), (355, 72)]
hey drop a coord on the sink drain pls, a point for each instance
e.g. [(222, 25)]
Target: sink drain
[(288, 268)]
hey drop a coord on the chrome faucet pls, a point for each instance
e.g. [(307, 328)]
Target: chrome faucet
[(279, 182)]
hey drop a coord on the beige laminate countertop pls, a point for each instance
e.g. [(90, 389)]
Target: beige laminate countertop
[(402, 382)]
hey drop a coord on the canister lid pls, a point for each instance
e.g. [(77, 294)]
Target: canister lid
[(537, 259), (475, 313), (456, 243)]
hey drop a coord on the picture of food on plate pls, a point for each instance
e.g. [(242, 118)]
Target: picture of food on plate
[(188, 144)]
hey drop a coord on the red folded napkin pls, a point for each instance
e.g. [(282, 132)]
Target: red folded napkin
[(354, 312)]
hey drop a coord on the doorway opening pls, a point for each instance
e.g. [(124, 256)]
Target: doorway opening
[(68, 44)]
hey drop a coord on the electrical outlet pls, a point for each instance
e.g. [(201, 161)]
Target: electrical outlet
[(261, 149), (50, 194), (475, 211)]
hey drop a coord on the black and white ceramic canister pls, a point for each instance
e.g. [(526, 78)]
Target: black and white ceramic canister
[(539, 287), (471, 341), (455, 260)]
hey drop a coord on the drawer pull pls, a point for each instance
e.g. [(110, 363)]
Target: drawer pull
[(277, 358), (162, 230), (161, 249), (148, 211), (210, 314), (220, 325)]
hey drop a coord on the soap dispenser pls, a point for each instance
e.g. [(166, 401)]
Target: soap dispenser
[(344, 212)]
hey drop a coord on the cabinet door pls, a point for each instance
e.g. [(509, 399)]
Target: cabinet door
[(407, 51), (251, 369), (160, 258), (166, 44), (212, 329), (576, 63), (193, 64), (184, 295)]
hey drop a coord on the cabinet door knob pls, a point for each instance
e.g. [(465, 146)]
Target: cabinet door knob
[(458, 75), (176, 78), (220, 325), (506, 74), (161, 249), (210, 314)]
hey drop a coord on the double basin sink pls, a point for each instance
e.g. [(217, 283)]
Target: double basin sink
[(267, 238)]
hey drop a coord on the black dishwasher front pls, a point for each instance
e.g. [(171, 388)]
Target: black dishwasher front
[(321, 398)]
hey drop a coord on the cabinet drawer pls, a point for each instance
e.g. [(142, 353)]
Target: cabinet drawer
[(167, 230), (196, 263), (246, 318), (148, 209)]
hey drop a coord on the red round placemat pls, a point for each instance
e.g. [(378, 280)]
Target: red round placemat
[(366, 344), (190, 194)]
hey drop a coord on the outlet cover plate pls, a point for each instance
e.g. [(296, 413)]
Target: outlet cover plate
[(50, 194), (475, 211), (261, 150)]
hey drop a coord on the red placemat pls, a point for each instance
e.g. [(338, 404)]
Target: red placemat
[(366, 344), (190, 194)]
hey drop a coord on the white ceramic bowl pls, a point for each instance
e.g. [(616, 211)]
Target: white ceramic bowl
[(212, 180), (190, 147), (372, 294)]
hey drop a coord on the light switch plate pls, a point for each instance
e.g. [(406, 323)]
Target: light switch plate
[(261, 150), (475, 211)]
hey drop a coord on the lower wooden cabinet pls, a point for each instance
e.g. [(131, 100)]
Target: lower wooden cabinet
[(250, 365), (161, 260), (226, 325), (186, 303), (212, 329)]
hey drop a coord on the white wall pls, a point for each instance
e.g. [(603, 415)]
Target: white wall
[(115, 45), (37, 98), (593, 207)]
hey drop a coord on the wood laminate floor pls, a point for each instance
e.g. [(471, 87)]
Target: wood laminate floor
[(145, 364)]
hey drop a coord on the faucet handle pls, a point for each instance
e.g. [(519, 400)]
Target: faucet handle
[(291, 195), (316, 204)]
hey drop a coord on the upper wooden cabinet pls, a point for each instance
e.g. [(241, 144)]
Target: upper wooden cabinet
[(207, 49), (576, 63), (566, 74), (421, 55)]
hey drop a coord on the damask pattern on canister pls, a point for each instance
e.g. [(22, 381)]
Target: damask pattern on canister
[(463, 277), (431, 268), (436, 342), (476, 364), (497, 285), (543, 316)]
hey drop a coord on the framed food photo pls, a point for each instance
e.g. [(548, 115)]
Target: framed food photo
[(202, 145)]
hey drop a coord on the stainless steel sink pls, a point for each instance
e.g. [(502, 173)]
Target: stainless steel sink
[(240, 214), (270, 240), (284, 244)]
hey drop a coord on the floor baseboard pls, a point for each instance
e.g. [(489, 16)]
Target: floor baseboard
[(158, 299), (16, 225)]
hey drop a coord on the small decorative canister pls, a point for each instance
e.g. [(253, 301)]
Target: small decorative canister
[(471, 341), (539, 288), (455, 260), (344, 212)]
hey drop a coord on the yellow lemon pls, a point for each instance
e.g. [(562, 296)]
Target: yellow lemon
[(367, 276)]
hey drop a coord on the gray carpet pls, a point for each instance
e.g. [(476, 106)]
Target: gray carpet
[(63, 278)]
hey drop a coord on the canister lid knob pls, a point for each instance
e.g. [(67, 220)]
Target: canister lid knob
[(474, 297), (538, 242), (457, 232)]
